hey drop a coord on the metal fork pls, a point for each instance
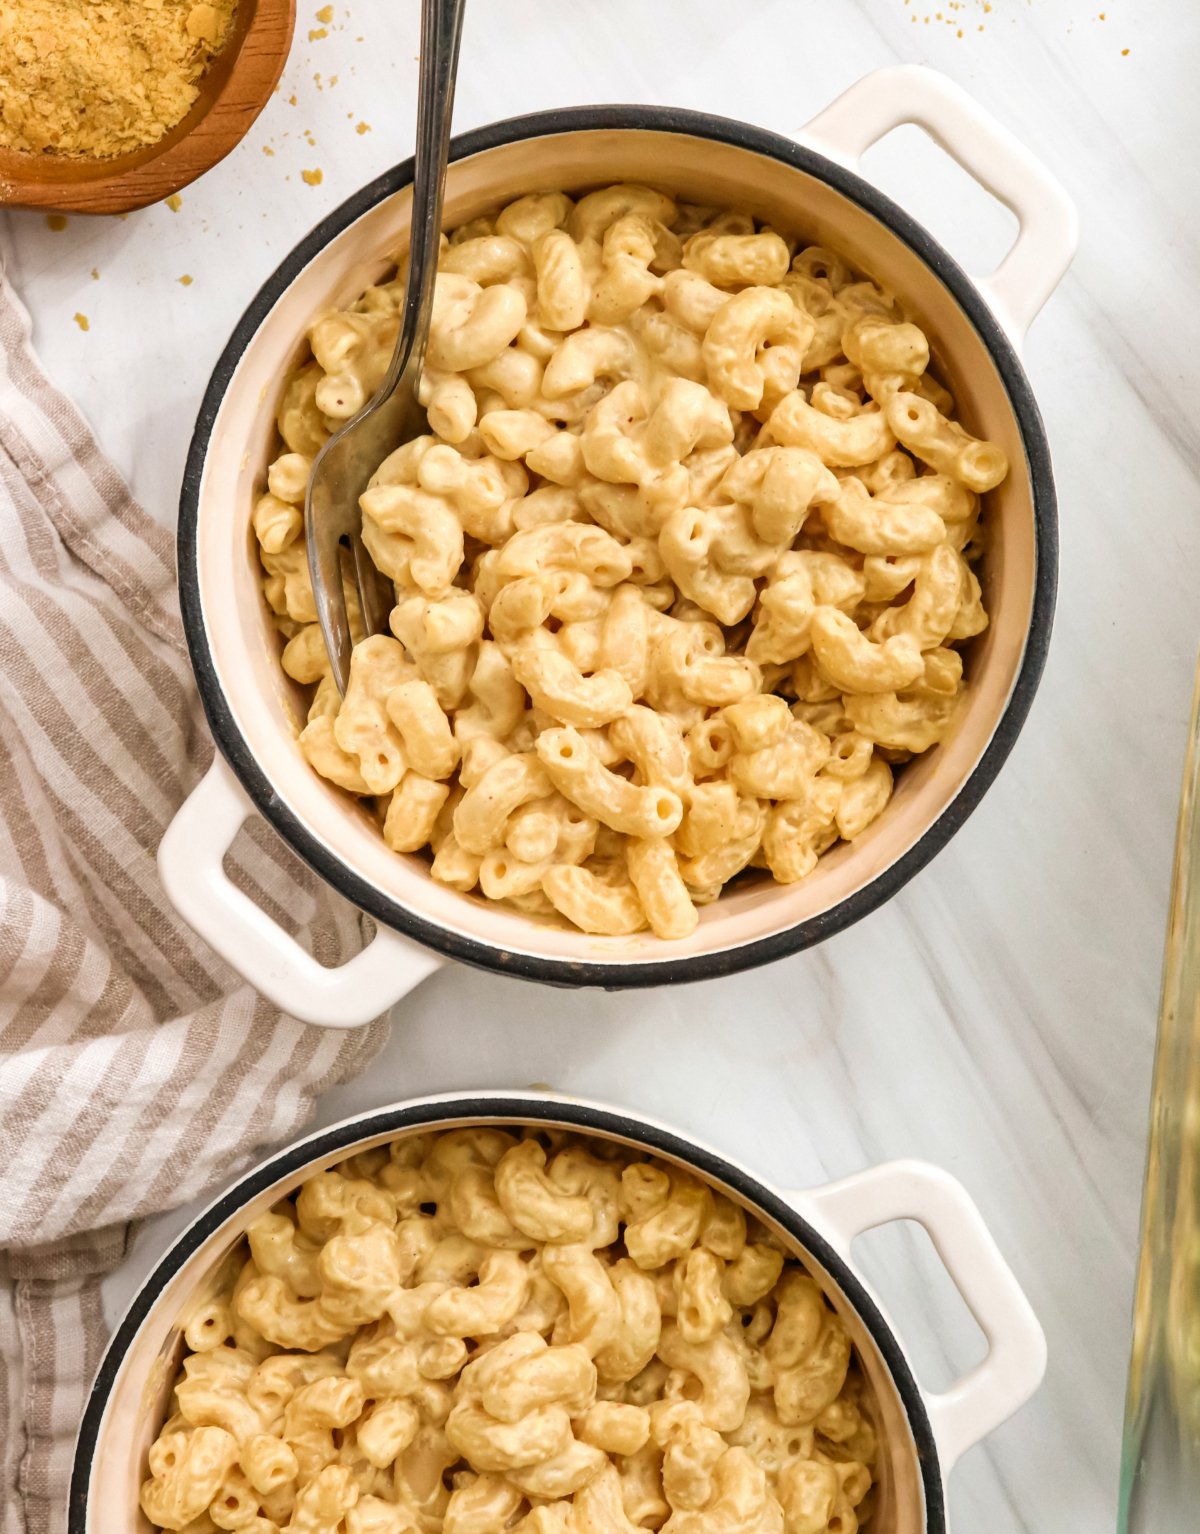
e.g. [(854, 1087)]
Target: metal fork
[(394, 415)]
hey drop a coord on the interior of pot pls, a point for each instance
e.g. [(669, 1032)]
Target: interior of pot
[(136, 1407), (268, 709)]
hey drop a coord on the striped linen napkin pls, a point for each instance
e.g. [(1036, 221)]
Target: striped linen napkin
[(135, 1068)]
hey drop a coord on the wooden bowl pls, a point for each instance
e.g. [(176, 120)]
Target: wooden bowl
[(233, 91)]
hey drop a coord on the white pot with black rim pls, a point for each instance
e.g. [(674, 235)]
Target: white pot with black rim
[(807, 186), (921, 1433)]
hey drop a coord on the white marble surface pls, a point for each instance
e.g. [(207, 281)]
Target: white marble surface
[(998, 1016)]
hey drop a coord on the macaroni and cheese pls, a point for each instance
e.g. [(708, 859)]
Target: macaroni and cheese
[(477, 1331), (682, 566)]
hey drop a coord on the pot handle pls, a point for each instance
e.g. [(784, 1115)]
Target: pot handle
[(1016, 1358), (190, 865), (987, 151)]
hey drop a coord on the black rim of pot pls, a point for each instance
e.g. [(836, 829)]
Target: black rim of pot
[(505, 1112), (612, 975)]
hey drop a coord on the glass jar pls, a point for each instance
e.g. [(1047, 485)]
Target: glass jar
[(1160, 1460)]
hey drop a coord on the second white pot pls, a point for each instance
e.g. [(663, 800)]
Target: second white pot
[(922, 1433)]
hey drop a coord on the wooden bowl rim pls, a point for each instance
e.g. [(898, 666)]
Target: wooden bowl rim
[(79, 184)]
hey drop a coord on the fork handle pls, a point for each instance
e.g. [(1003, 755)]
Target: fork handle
[(441, 33)]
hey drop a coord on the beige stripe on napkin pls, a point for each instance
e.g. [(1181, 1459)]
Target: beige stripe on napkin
[(136, 1069)]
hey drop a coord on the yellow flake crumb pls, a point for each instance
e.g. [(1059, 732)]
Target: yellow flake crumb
[(291, 101), (102, 79), (203, 23), (1124, 52), (56, 221), (325, 14), (174, 202), (95, 273), (267, 149), (316, 34), (312, 177), (185, 280), (333, 79), (82, 321), (363, 128)]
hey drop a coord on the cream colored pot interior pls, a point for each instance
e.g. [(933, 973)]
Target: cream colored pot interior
[(137, 1404), (246, 649)]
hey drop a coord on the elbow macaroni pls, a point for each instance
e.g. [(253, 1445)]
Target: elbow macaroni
[(685, 555), (486, 1330)]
